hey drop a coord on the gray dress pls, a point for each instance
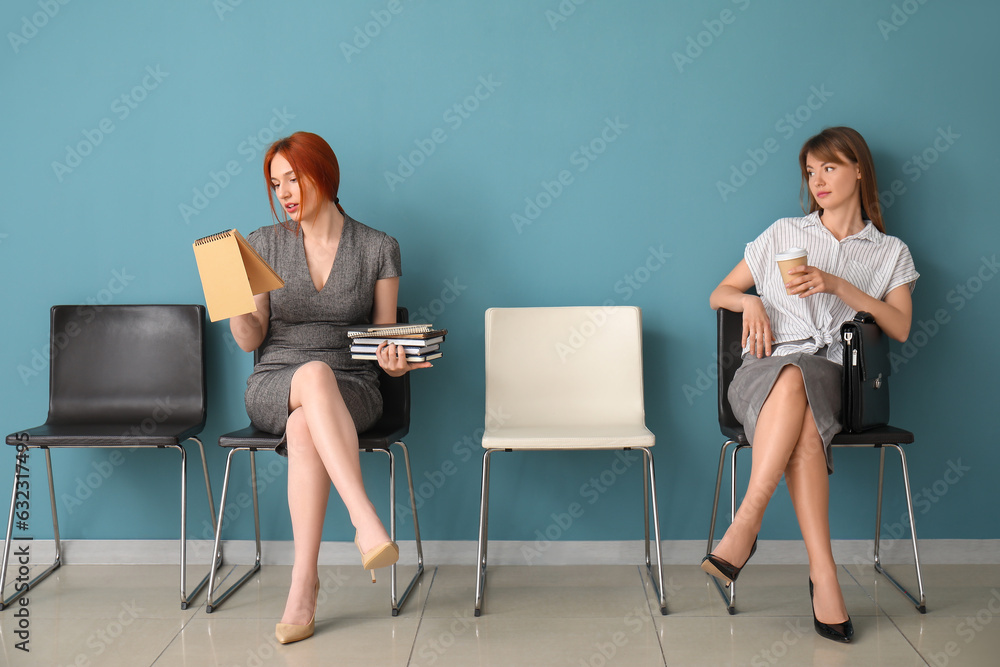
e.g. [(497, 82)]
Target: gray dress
[(309, 325)]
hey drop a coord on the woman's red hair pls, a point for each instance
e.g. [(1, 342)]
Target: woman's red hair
[(315, 166), (833, 145)]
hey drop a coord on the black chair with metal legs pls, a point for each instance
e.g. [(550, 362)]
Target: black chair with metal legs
[(120, 377), (730, 329), (390, 430)]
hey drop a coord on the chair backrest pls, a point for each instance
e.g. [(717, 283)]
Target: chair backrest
[(127, 364), (568, 365), (729, 353)]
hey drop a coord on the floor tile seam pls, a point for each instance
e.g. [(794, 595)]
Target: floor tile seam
[(420, 617), (652, 614), (191, 617), (888, 617)]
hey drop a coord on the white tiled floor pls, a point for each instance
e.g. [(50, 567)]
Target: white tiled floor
[(578, 616)]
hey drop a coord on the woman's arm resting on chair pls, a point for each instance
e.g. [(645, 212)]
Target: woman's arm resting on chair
[(731, 295)]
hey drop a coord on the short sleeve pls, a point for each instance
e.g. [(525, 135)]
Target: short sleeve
[(758, 254), (389, 263), (261, 240), (903, 271)]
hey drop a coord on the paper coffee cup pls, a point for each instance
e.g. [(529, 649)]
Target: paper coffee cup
[(788, 259)]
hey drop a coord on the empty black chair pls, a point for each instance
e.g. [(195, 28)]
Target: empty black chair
[(730, 330), (390, 430), (121, 377)]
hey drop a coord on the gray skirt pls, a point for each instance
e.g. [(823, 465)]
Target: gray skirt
[(823, 380), (267, 401)]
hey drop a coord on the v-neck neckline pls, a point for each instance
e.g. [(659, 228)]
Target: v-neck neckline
[(333, 265)]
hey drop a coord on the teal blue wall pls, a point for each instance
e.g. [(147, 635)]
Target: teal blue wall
[(674, 100)]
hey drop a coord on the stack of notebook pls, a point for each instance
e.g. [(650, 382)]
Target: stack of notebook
[(421, 341)]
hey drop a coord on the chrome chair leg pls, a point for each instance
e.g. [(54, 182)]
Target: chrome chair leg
[(484, 505), (184, 598), (921, 603), (216, 556), (398, 604), (645, 509), (730, 597), (397, 601), (718, 489), (212, 602), (56, 563), (661, 593)]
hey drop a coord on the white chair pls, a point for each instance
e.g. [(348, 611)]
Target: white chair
[(564, 379)]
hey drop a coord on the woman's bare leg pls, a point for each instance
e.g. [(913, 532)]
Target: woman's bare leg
[(308, 492), (322, 447), (315, 391), (809, 488), (779, 425)]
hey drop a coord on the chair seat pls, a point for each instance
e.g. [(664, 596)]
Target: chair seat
[(143, 434), (378, 437), (884, 435), (597, 436), (250, 437)]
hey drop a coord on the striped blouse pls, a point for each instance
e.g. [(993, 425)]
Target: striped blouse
[(872, 261)]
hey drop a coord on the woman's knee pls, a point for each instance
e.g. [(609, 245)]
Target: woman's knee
[(315, 373), (789, 382)]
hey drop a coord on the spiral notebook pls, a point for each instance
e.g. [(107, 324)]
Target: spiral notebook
[(231, 274)]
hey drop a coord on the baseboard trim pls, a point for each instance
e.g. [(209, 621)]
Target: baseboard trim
[(463, 552)]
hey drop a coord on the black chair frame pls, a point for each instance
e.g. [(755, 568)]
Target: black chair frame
[(730, 329), (390, 430), (88, 382)]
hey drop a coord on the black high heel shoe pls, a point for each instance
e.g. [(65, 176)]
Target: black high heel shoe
[(838, 632), (723, 569)]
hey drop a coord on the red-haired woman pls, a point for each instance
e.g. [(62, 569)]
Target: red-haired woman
[(787, 391), (305, 385)]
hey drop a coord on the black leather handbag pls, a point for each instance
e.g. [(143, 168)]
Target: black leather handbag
[(866, 374)]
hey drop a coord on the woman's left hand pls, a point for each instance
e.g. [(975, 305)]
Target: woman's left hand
[(392, 359), (808, 280)]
